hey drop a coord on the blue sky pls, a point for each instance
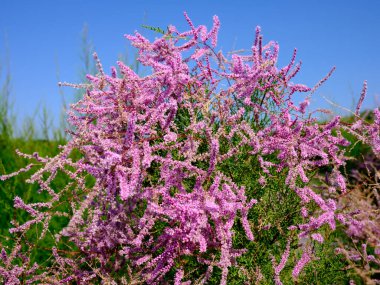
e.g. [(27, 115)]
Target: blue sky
[(44, 38)]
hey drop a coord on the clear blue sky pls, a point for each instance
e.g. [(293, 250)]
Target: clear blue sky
[(45, 36)]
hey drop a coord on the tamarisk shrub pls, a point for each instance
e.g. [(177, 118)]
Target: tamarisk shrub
[(185, 172)]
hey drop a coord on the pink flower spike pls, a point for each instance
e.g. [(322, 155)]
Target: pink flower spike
[(317, 237), (305, 259)]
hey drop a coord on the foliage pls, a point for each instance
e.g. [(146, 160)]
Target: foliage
[(203, 171)]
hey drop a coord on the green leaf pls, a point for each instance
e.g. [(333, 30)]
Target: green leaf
[(2, 169), (155, 29)]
